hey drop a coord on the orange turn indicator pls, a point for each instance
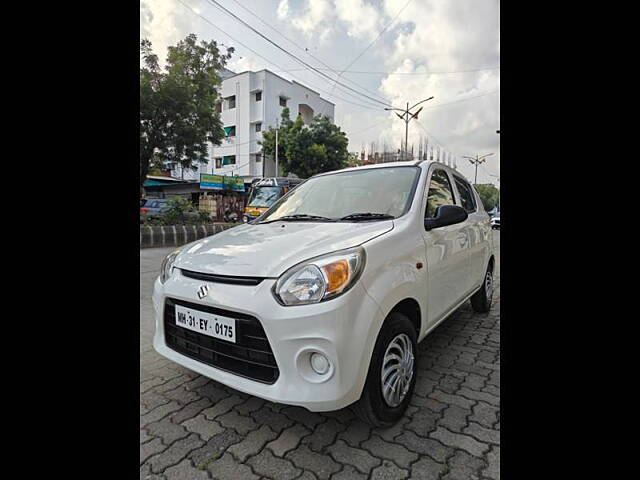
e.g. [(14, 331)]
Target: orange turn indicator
[(337, 274)]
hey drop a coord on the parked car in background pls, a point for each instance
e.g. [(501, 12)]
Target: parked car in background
[(495, 221), (322, 300), (155, 207)]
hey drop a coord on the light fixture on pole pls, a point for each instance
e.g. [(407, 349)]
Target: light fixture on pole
[(476, 161), (406, 117)]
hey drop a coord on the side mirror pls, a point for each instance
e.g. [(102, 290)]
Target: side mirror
[(446, 215)]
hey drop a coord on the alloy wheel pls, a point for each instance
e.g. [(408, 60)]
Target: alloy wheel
[(397, 370)]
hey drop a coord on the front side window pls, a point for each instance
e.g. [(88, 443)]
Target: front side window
[(384, 191), (440, 193), (466, 195)]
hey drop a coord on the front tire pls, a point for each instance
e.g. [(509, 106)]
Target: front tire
[(392, 373), (481, 300)]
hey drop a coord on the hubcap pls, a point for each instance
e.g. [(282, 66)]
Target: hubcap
[(397, 370), (488, 285)]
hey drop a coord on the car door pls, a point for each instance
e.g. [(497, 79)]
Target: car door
[(478, 231), (446, 250)]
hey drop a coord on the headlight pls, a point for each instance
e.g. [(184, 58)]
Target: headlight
[(167, 266), (320, 278)]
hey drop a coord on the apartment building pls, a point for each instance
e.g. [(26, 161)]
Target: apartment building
[(251, 103)]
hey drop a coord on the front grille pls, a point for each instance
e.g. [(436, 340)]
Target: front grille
[(251, 356), (211, 277)]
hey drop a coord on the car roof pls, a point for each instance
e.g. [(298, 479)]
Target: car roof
[(425, 164)]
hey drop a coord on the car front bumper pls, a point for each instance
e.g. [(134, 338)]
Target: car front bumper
[(343, 329)]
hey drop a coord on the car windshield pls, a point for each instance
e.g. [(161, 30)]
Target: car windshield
[(264, 196), (385, 192)]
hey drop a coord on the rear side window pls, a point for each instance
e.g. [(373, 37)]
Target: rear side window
[(466, 195), (440, 193)]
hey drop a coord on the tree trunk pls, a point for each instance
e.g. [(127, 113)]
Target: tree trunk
[(145, 159)]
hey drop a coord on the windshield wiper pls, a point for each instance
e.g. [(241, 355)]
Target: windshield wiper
[(367, 216), (300, 217)]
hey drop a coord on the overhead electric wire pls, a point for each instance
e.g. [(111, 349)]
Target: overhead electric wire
[(463, 99), (257, 32), (292, 42), (400, 73), (273, 63)]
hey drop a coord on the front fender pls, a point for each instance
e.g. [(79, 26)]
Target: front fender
[(391, 276)]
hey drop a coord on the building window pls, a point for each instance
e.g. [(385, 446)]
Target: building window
[(258, 96), (229, 160), (231, 102), (218, 162), (230, 131), (258, 158), (219, 107), (283, 102), (258, 126)]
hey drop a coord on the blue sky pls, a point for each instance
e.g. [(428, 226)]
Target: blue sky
[(449, 49)]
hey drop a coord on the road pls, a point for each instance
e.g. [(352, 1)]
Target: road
[(192, 427)]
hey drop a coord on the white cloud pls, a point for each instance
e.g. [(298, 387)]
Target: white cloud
[(166, 22), (313, 21), (283, 9), (362, 19)]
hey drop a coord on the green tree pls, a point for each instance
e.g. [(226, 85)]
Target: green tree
[(177, 104), (307, 150), (488, 194)]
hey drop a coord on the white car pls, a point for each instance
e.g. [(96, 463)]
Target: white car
[(495, 222), (321, 302)]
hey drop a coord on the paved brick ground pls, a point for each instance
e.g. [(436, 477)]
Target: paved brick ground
[(192, 427)]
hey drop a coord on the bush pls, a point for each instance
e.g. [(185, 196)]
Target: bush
[(180, 212)]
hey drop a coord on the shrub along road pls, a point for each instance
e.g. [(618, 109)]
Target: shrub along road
[(192, 427)]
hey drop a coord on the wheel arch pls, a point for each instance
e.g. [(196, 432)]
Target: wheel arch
[(411, 308)]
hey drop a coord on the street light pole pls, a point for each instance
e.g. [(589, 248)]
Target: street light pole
[(276, 175), (406, 118), (476, 161)]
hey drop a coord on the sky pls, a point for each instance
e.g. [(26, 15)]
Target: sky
[(392, 51)]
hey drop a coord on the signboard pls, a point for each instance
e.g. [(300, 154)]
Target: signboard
[(221, 182), (211, 182), (234, 183)]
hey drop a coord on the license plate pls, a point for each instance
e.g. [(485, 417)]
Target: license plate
[(209, 324)]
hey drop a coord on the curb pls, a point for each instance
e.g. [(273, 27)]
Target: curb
[(176, 235)]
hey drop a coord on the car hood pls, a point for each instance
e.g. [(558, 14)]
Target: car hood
[(268, 250)]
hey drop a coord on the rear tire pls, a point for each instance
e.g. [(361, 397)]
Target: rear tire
[(481, 300), (397, 333)]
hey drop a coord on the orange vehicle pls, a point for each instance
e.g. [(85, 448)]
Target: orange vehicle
[(265, 192)]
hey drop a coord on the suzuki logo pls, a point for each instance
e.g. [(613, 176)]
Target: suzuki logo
[(203, 291)]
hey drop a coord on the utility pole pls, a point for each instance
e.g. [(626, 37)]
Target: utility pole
[(276, 151), (476, 161), (406, 118)]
